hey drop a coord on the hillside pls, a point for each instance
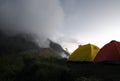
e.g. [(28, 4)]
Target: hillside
[(24, 43), (18, 43), (58, 49)]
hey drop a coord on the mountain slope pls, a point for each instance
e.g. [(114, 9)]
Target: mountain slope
[(24, 43), (58, 49)]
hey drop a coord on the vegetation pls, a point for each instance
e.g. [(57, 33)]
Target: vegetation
[(30, 67)]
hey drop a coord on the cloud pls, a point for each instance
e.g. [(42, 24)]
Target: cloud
[(41, 17), (67, 41)]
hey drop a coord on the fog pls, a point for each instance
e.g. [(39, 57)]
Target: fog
[(43, 18)]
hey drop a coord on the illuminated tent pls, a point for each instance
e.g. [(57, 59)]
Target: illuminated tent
[(109, 52), (84, 53)]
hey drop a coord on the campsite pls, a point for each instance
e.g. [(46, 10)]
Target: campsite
[(25, 61), (105, 64), (59, 40)]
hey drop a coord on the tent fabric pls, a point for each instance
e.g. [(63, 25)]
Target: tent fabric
[(109, 52), (84, 53)]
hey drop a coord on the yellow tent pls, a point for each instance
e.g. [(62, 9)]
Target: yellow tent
[(84, 53)]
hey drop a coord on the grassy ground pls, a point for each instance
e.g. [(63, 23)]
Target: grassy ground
[(102, 71), (30, 67)]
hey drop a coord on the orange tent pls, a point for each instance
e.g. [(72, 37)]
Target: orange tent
[(109, 52)]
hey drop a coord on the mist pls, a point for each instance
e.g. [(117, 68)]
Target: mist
[(42, 18)]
